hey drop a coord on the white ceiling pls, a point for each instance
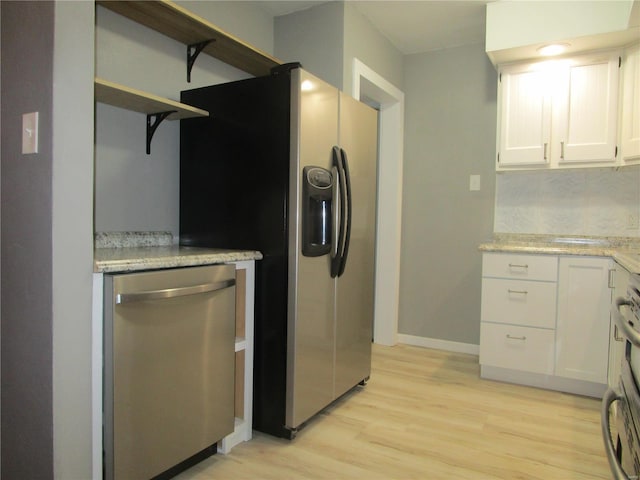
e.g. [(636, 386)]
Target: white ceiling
[(412, 26)]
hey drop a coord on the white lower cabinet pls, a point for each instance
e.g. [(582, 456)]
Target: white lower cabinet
[(518, 312), (545, 321), (582, 331)]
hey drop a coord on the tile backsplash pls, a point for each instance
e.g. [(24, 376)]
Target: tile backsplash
[(593, 201)]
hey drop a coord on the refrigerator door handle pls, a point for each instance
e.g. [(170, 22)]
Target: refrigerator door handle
[(347, 235), (335, 200), (340, 215)]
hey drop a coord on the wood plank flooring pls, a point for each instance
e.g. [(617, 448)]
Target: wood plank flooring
[(426, 414)]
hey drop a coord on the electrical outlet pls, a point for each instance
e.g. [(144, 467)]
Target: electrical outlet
[(633, 221)]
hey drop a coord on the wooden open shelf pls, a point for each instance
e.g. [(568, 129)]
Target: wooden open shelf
[(156, 108), (178, 23), (124, 97)]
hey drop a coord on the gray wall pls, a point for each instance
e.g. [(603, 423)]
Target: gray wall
[(326, 38), (135, 191), (364, 42), (315, 38), (26, 197), (72, 237), (450, 131)]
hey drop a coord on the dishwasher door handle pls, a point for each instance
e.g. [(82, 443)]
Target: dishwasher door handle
[(173, 292)]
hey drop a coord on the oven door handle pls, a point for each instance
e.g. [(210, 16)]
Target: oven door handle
[(623, 324), (611, 396)]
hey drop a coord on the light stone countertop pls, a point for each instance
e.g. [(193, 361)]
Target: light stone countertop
[(131, 251), (624, 250), (129, 259)]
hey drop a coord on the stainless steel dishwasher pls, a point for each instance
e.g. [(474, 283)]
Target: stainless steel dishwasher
[(168, 367)]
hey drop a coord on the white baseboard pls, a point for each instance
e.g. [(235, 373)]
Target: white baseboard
[(439, 344)]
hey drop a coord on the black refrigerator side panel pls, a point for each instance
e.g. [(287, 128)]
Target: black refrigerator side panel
[(234, 165), (234, 174)]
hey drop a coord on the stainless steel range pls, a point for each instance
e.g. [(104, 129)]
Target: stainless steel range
[(623, 403)]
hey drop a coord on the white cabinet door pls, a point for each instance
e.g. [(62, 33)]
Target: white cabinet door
[(525, 117), (582, 331), (631, 105), (585, 127)]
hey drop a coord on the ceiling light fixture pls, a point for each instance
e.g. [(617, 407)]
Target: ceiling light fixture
[(553, 49)]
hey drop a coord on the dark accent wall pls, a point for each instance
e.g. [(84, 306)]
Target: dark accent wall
[(26, 412)]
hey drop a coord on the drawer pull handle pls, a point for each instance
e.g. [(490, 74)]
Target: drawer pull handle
[(517, 265), (521, 292), (511, 337)]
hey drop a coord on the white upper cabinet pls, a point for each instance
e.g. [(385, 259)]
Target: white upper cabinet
[(558, 113), (585, 127), (525, 117), (630, 105)]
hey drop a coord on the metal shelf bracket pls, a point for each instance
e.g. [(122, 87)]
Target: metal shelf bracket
[(193, 51), (153, 121)]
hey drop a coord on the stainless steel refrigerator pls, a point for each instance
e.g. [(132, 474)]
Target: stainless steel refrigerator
[(286, 164)]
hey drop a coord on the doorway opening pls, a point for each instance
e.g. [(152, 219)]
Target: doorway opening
[(374, 90)]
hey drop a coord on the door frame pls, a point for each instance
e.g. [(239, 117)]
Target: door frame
[(372, 88)]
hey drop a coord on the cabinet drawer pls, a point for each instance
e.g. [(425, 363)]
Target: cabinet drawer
[(519, 302), (517, 348), (526, 267)]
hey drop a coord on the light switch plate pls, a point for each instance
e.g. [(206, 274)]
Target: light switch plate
[(474, 183), (30, 132)]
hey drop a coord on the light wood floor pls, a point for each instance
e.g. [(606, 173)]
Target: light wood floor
[(426, 414)]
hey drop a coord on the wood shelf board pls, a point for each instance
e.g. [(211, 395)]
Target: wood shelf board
[(125, 97), (178, 23)]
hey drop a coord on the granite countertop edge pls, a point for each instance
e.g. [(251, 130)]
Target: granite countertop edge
[(624, 250), (129, 259)]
